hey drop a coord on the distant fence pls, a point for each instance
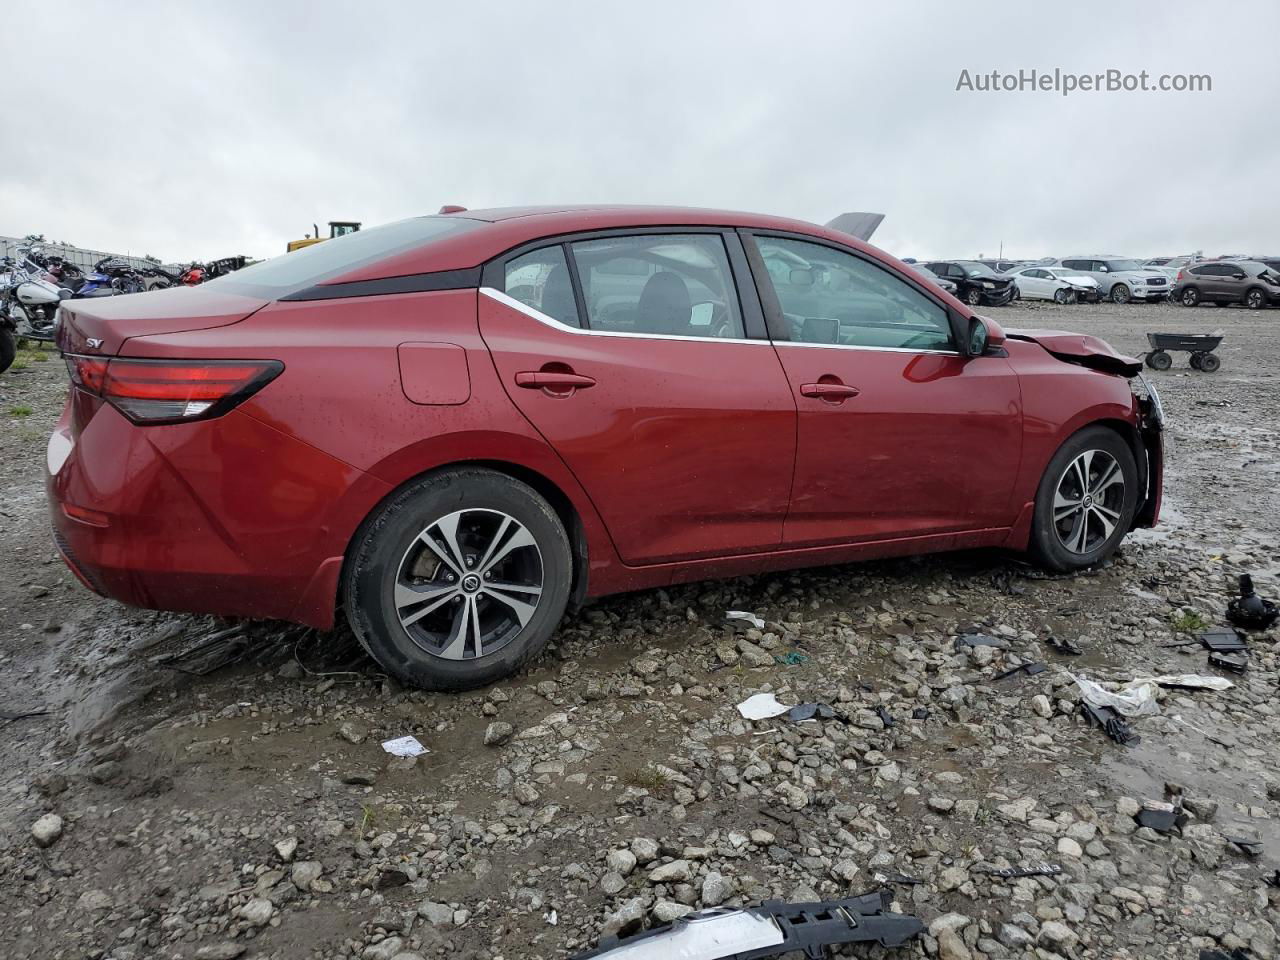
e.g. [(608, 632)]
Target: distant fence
[(82, 257)]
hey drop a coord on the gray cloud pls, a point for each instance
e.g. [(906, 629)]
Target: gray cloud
[(188, 131)]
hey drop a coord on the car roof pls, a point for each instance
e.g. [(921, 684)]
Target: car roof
[(502, 228)]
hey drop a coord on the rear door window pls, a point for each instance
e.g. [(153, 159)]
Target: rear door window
[(541, 280), (659, 284)]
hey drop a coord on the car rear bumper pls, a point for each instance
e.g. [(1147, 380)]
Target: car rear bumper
[(228, 517)]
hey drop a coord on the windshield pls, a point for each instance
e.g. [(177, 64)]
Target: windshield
[(291, 272), (1117, 265), (974, 269)]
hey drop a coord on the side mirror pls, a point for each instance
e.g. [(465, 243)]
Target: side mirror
[(984, 335), (1237, 276), (800, 278)]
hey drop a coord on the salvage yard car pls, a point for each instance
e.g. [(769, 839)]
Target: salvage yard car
[(1040, 283), (453, 427), (1226, 282), (977, 283), (1119, 279)]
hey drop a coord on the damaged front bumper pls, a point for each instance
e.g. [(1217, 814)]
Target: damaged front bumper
[(772, 929)]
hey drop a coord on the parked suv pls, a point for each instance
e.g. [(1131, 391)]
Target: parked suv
[(452, 427), (1224, 282), (1119, 278), (976, 283)]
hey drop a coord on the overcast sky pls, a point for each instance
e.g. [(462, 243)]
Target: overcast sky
[(197, 131)]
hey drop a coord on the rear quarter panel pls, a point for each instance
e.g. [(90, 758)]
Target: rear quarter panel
[(341, 391)]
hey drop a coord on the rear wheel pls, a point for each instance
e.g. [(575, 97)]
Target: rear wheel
[(1210, 362), (1195, 360), (459, 580), (1120, 294), (1086, 501), (1159, 360), (8, 349), (1190, 297)]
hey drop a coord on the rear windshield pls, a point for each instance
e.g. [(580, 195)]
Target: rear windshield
[(291, 272)]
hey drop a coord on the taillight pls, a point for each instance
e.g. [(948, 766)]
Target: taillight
[(1178, 278), (153, 392)]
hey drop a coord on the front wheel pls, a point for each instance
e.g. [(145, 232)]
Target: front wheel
[(8, 349), (1062, 296), (973, 297), (458, 580), (1086, 501), (1120, 294)]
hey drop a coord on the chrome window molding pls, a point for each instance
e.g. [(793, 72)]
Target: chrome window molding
[(555, 324), (509, 301)]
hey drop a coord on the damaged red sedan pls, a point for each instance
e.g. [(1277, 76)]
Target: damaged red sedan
[(452, 427)]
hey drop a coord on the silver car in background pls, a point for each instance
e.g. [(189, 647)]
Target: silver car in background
[(1120, 279)]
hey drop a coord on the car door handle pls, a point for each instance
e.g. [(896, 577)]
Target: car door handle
[(831, 392), (553, 380)]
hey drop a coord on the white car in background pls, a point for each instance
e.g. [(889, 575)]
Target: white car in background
[(1037, 282), (1171, 266)]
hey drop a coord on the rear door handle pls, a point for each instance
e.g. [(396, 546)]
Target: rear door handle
[(553, 380), (831, 392)]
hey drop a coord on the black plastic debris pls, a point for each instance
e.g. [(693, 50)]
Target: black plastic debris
[(980, 640), (1239, 953), (772, 929), (1250, 848), (1030, 669), (810, 711), (1013, 873), (920, 713), (1273, 880), (9, 716), (1113, 724), (1250, 610), (1064, 645), (1222, 640), (1160, 816), (1235, 662), (885, 717)]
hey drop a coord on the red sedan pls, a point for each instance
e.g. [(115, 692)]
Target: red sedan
[(454, 426)]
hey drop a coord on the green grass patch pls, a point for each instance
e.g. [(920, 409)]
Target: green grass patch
[(20, 410), (1188, 621)]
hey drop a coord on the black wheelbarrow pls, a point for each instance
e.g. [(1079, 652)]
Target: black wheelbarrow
[(1199, 345)]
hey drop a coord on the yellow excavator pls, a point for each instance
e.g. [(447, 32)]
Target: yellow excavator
[(337, 228)]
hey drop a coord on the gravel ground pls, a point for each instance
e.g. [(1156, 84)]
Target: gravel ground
[(159, 810)]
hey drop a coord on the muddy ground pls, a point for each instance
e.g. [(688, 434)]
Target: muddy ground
[(251, 811)]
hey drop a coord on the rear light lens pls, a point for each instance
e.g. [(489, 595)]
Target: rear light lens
[(152, 392), (1178, 278)]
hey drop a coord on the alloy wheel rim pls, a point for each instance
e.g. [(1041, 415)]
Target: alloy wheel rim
[(1255, 299), (468, 584), (1088, 501)]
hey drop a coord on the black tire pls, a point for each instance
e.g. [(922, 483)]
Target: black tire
[(1159, 360), (1255, 298), (1210, 362), (1046, 545), (973, 297), (382, 545), (1120, 294), (1195, 360), (1062, 296), (1190, 297), (8, 349)]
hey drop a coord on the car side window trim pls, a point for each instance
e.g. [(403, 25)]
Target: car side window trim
[(499, 296), (778, 331), (493, 274)]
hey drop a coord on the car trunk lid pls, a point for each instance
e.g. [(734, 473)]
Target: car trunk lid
[(102, 325), (1080, 348)]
